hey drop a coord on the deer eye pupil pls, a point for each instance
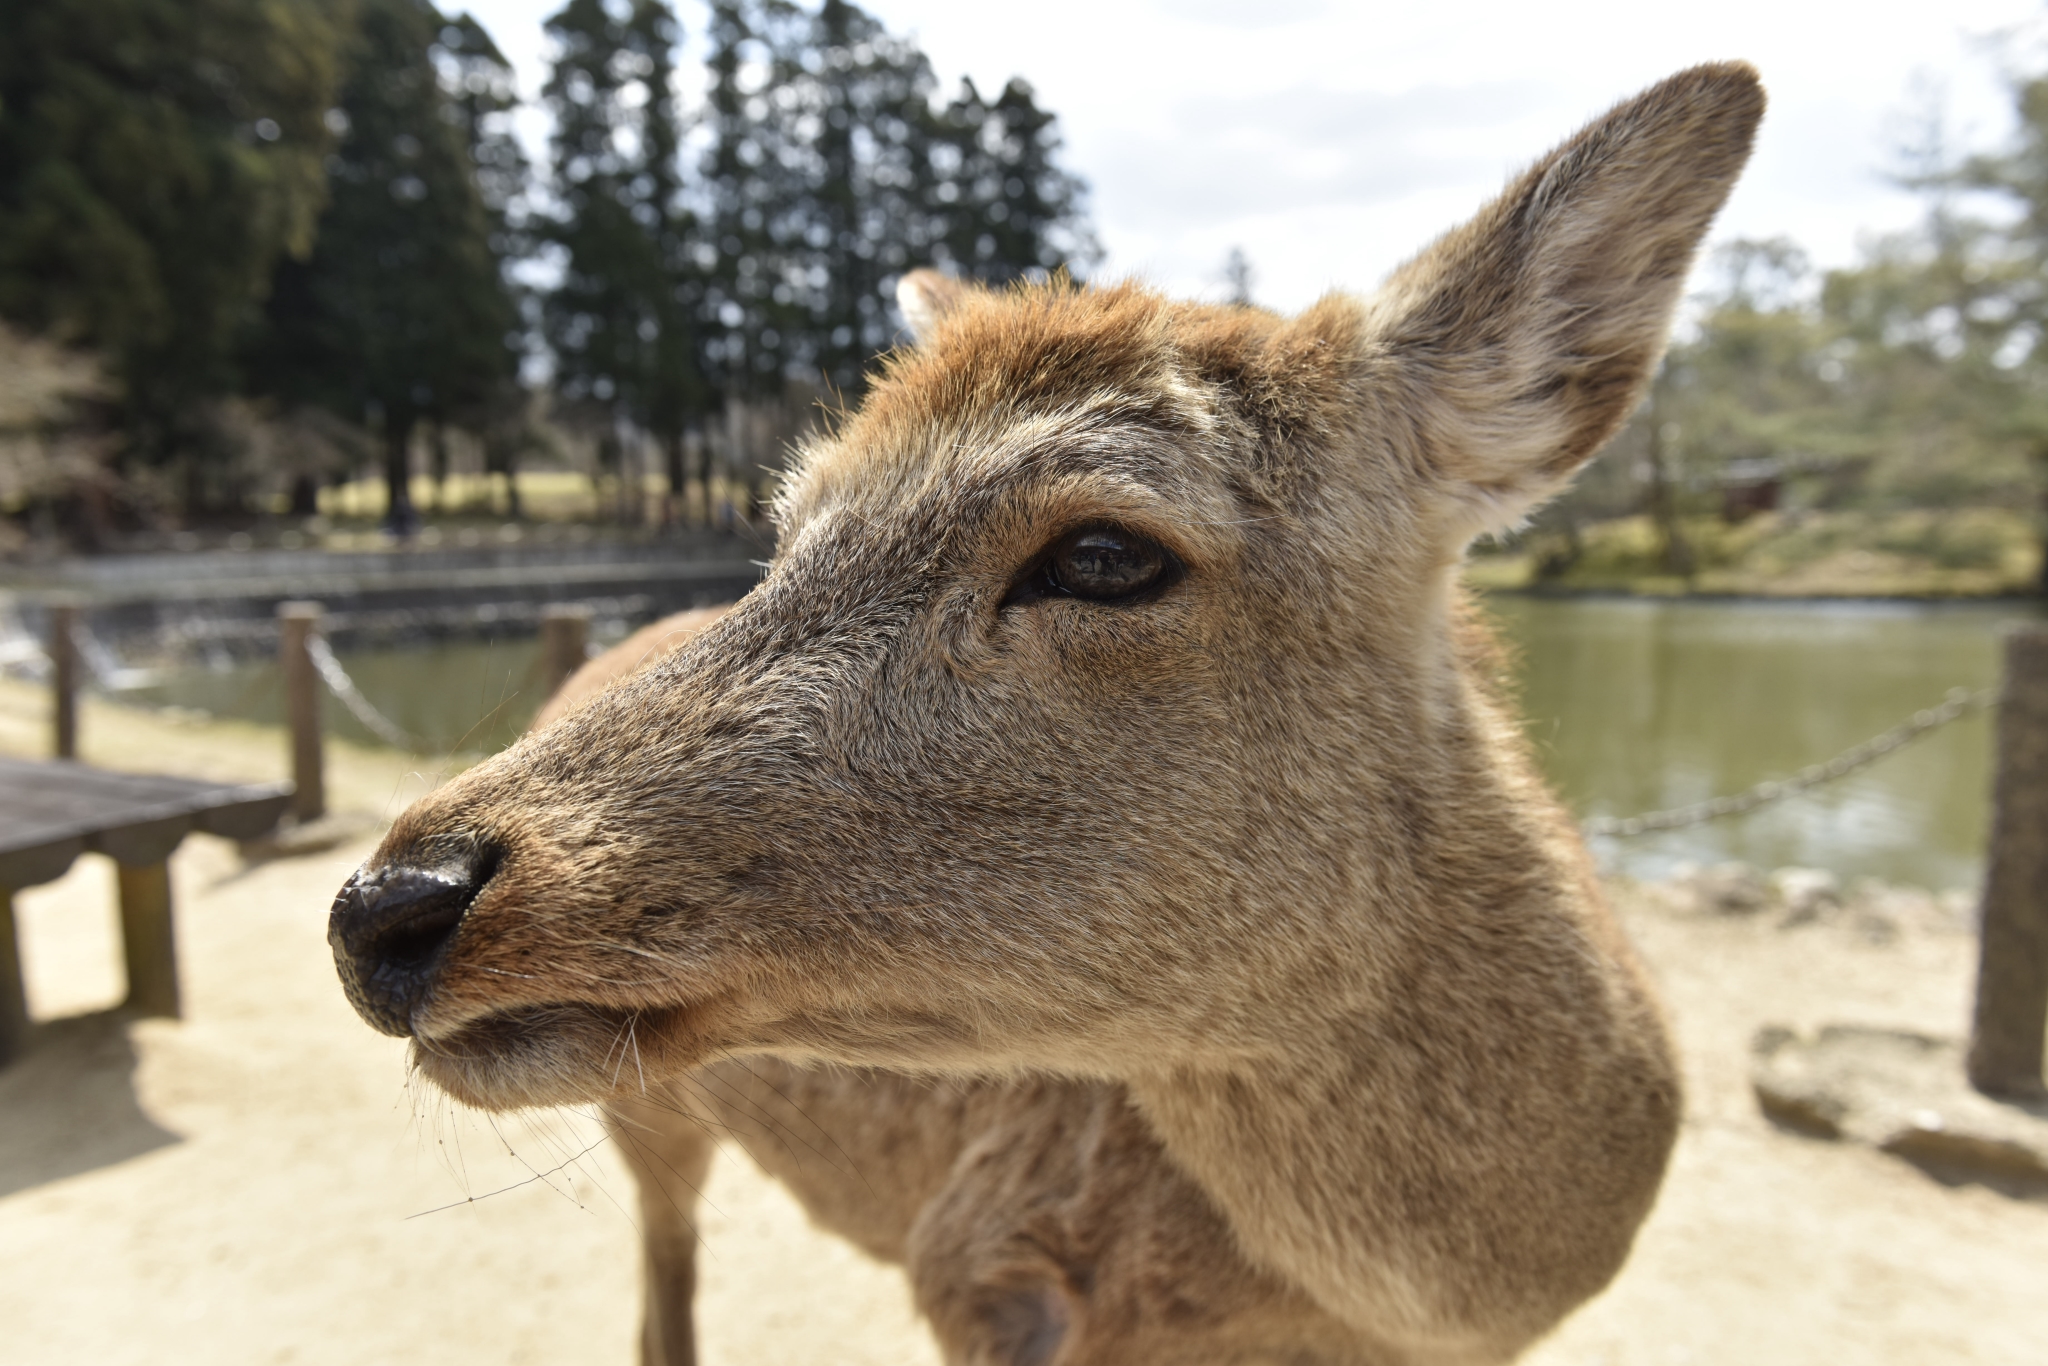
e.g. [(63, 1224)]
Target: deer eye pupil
[(1104, 564)]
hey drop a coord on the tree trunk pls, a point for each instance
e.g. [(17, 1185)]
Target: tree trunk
[(1677, 552), (678, 475), (2041, 519), (512, 508), (400, 519), (440, 466)]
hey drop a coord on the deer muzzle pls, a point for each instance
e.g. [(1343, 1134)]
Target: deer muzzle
[(390, 929)]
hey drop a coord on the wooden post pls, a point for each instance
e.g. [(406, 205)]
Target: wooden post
[(147, 941), (14, 1023), (63, 647), (564, 644), (2006, 1038), (297, 624)]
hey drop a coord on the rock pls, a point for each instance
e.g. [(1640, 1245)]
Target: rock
[(1880, 910), (1807, 895), (1730, 889), (1902, 1093)]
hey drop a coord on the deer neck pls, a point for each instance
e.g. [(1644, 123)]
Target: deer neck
[(1458, 1149)]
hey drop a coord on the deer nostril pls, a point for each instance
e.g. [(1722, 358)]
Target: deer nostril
[(388, 929)]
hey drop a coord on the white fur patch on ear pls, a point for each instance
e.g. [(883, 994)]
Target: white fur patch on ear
[(926, 297), (1525, 338)]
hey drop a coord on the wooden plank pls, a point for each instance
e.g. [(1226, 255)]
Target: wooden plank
[(14, 1022), (564, 644), (148, 940), (50, 812), (298, 622), (63, 650)]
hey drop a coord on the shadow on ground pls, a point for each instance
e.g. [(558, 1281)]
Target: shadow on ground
[(69, 1103)]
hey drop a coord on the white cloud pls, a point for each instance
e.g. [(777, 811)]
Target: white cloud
[(1332, 139)]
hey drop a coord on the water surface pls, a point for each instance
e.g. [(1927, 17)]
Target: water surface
[(1640, 705)]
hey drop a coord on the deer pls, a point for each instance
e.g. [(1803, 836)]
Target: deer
[(1097, 866)]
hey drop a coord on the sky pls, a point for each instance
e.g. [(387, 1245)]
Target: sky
[(1331, 140)]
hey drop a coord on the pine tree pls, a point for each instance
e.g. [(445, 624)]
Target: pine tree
[(402, 313), (484, 95), (826, 173), (2002, 307), (834, 175), (480, 85), (156, 159), (620, 321), (675, 392), (870, 95), (756, 190), (1006, 209)]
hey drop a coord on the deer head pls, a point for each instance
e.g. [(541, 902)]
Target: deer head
[(1110, 709), (1105, 693)]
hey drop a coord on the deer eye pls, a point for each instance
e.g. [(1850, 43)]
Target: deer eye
[(1104, 564), (1096, 564)]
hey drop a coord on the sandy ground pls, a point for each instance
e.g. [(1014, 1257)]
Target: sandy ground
[(256, 1183)]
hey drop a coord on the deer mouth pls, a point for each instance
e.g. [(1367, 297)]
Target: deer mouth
[(563, 1053)]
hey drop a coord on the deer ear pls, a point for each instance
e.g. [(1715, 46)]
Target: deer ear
[(1524, 339), (926, 297)]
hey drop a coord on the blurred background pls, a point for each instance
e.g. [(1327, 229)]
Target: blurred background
[(352, 300), (489, 331)]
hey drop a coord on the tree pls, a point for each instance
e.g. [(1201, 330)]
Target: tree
[(750, 250), (402, 313), (1238, 276), (620, 321), (868, 96), (675, 391), (2002, 327), (157, 157), (1757, 382), (1006, 208), (482, 95), (829, 173)]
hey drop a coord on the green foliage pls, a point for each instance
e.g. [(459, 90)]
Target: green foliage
[(156, 158), (754, 182), (401, 312), (619, 321), (1911, 552), (829, 173), (482, 98), (318, 205), (867, 93), (1913, 379), (1005, 206)]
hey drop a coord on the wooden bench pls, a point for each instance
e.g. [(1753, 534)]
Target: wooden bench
[(51, 812)]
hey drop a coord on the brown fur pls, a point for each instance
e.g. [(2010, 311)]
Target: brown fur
[(1034, 1217), (1257, 865)]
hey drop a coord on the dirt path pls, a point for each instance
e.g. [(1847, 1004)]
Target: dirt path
[(241, 1186)]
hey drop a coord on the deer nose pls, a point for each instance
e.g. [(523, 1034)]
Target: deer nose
[(388, 929)]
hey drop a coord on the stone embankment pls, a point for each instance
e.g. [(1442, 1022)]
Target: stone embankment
[(167, 604)]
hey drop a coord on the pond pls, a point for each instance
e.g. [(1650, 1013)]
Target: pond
[(1633, 705), (1639, 705)]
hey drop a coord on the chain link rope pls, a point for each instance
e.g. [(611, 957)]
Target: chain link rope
[(344, 688), (1957, 703)]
